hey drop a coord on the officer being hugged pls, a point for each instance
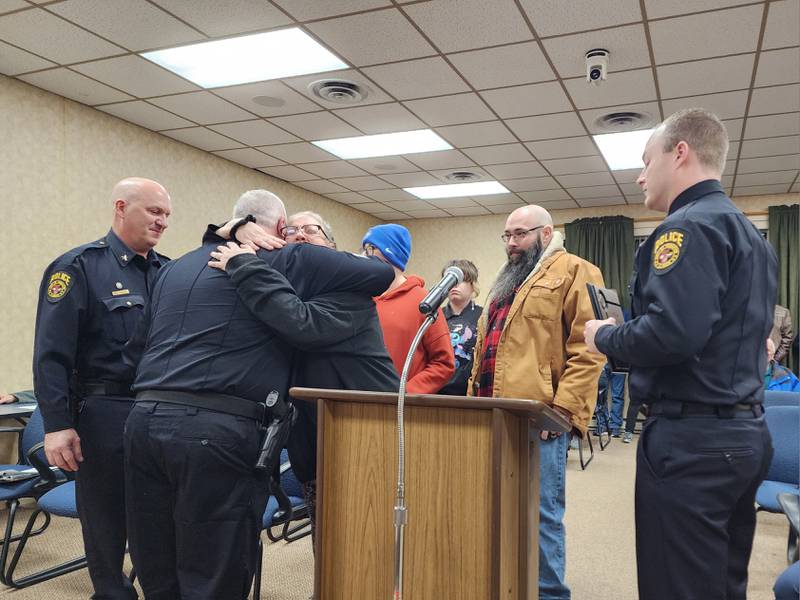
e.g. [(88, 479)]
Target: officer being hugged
[(703, 292), (90, 301)]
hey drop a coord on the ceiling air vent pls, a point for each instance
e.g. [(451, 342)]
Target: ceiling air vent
[(462, 176), (623, 121), (338, 91)]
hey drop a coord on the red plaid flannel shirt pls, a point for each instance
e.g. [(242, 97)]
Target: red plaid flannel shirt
[(496, 320)]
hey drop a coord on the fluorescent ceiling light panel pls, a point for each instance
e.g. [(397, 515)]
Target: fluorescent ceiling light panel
[(384, 144), (457, 190), (623, 150), (258, 57)]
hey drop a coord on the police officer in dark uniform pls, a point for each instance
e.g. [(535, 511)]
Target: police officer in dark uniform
[(702, 297), (209, 371), (90, 301)]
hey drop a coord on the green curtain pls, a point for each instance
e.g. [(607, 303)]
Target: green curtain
[(784, 235), (608, 243)]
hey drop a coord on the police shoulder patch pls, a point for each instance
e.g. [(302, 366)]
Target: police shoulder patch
[(58, 286), (668, 249)]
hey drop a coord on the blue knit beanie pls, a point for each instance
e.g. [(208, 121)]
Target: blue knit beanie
[(394, 241)]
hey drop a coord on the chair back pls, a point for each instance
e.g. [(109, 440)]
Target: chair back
[(777, 398), (32, 435), (784, 427)]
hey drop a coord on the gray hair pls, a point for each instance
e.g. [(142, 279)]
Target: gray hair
[(704, 133), (265, 206), (326, 227)]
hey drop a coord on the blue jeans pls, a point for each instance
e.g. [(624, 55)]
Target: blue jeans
[(552, 551), (610, 421), (617, 400)]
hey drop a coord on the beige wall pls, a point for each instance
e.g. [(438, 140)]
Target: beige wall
[(435, 241), (58, 163)]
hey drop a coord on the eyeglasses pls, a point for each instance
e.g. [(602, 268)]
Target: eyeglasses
[(309, 230), (369, 250), (518, 234)]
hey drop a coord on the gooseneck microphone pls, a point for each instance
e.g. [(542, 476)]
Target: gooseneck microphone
[(452, 277)]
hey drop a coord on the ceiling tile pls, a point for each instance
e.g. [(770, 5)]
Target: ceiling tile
[(776, 146), (354, 198), (795, 189), (146, 115), (668, 8), (417, 78), (599, 191), (444, 159), (357, 184), (385, 165), (410, 205), (771, 100), (772, 163), (226, 18), (751, 179), (410, 179), (707, 34), (772, 126), (202, 138), (544, 196), (497, 200), (9, 5), (373, 37), (612, 201), (706, 76), (778, 66), (426, 214), (388, 215), (552, 17), (649, 109), (321, 186), (316, 126), (475, 24), (476, 134), (74, 86), (726, 180), (559, 205), (390, 196), (563, 148), (534, 99), (504, 209), (134, 24), (468, 211), (733, 148), (547, 127), (448, 203), (730, 167), (734, 127), (300, 152), (381, 118), (782, 29), (507, 65), (334, 168), (628, 87), (53, 38), (503, 153), (288, 173), (584, 164), (254, 133), (585, 179), (136, 76), (627, 47), (202, 107), (374, 95), (14, 61), (450, 110), (532, 184), (630, 189), (727, 105), (305, 10), (268, 98), (249, 157), (627, 175), (517, 170), (759, 190)]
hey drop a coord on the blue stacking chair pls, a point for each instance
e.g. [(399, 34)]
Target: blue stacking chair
[(777, 398)]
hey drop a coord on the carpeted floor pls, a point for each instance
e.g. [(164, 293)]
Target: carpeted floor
[(600, 543)]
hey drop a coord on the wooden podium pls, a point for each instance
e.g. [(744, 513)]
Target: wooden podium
[(472, 492)]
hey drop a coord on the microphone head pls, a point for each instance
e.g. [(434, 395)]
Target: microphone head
[(459, 274)]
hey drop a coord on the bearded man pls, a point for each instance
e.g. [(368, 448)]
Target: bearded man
[(530, 345)]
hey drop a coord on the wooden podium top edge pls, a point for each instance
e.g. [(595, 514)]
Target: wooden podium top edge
[(545, 417)]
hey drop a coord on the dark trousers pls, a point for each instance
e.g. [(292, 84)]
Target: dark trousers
[(195, 501), (630, 417), (696, 480), (100, 495)]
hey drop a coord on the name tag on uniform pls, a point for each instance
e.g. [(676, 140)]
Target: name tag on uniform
[(120, 292)]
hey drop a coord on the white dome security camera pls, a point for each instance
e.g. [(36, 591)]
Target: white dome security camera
[(596, 65)]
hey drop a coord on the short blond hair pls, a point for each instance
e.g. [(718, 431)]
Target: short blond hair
[(702, 131)]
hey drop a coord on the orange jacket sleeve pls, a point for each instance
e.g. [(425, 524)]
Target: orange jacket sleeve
[(439, 360)]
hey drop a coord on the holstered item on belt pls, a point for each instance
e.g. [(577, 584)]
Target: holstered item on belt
[(283, 416), (223, 403)]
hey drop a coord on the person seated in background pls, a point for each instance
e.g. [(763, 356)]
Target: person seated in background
[(433, 363), (462, 316), (777, 376), (23, 396), (609, 421), (781, 333)]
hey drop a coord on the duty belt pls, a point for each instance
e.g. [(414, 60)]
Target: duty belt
[(223, 403), (104, 388), (676, 410)]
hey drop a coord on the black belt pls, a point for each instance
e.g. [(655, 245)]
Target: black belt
[(230, 405), (104, 388), (676, 410)]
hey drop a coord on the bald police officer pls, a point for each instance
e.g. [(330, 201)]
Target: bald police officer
[(703, 291), (90, 300)]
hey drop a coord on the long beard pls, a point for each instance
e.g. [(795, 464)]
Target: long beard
[(516, 271)]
